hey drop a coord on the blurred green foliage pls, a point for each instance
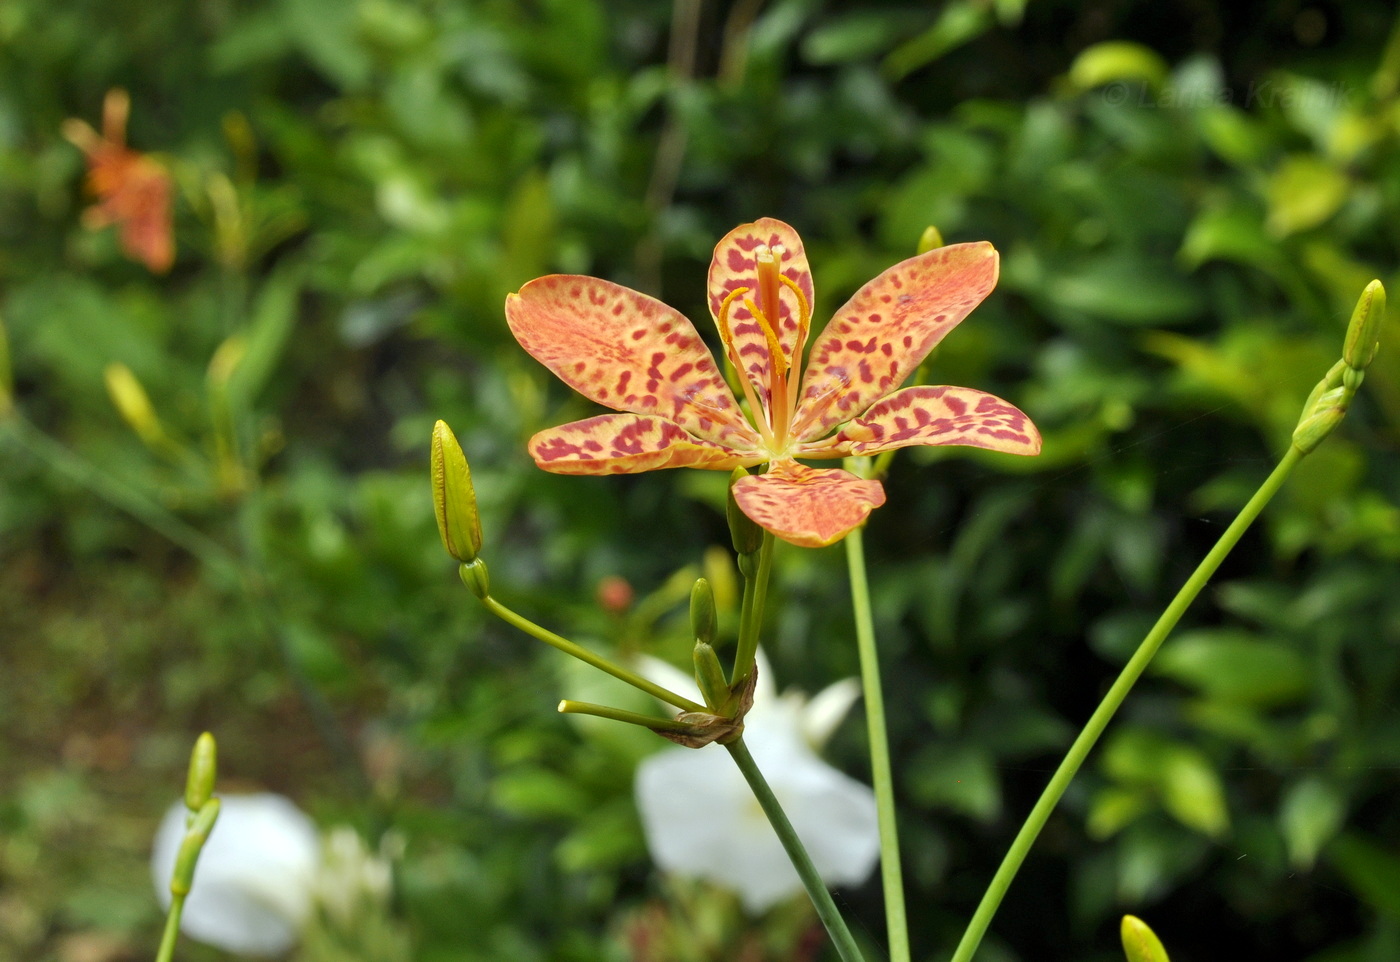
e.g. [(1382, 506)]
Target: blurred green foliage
[(1187, 200)]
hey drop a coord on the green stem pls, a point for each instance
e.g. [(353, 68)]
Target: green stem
[(991, 899), (569, 707), (588, 657), (172, 929), (826, 908), (751, 612), (891, 875)]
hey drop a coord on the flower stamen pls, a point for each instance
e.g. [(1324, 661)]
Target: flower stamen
[(757, 411)]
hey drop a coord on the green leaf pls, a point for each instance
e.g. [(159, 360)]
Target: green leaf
[(1117, 60), (1372, 872), (958, 23), (1184, 779), (273, 318), (1236, 667), (1304, 191), (1311, 814), (960, 778)]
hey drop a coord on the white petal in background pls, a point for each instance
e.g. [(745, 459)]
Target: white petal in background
[(253, 885), (701, 820)]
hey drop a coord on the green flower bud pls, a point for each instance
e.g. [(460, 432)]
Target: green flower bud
[(454, 499), (475, 576), (702, 612), (198, 833), (1364, 331), (743, 530), (1140, 943), (199, 786), (931, 239), (709, 675), (133, 404)]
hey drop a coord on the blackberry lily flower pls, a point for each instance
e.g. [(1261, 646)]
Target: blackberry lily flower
[(132, 189), (632, 353)]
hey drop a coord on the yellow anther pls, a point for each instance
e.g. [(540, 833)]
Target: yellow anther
[(725, 334), (804, 313), (775, 347)]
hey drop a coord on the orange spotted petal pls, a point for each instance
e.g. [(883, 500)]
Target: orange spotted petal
[(807, 506), (733, 267), (627, 351), (932, 415), (628, 444), (885, 331)]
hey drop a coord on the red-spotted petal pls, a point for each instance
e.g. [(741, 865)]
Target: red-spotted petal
[(932, 415), (627, 351), (733, 267), (628, 444), (806, 506), (885, 331)]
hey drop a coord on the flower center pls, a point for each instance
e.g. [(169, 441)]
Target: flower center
[(774, 419)]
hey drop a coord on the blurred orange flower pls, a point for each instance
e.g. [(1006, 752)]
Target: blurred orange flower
[(132, 189)]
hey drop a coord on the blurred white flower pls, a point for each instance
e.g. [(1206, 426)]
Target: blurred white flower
[(352, 878), (702, 821), (253, 884)]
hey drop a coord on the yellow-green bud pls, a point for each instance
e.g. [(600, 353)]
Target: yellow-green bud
[(1140, 943), (1312, 430), (930, 240), (227, 357), (199, 785), (702, 612), (454, 499), (743, 530), (133, 404), (709, 675), (1364, 331), (7, 380), (195, 836), (475, 576)]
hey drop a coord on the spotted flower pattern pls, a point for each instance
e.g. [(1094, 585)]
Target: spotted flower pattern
[(645, 360)]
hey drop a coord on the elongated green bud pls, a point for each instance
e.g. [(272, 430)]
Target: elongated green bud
[(743, 530), (7, 378), (199, 785), (1320, 422), (475, 576), (1140, 943), (454, 499), (709, 675), (702, 612), (195, 836), (930, 240), (133, 404), (1364, 331)]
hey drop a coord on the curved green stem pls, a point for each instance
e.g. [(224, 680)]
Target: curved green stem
[(891, 875), (991, 899), (751, 612), (172, 929), (588, 657), (821, 898)]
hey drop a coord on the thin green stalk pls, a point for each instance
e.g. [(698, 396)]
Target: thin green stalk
[(584, 655), (172, 929), (570, 707), (751, 611), (991, 899), (117, 493), (821, 898), (891, 875)]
